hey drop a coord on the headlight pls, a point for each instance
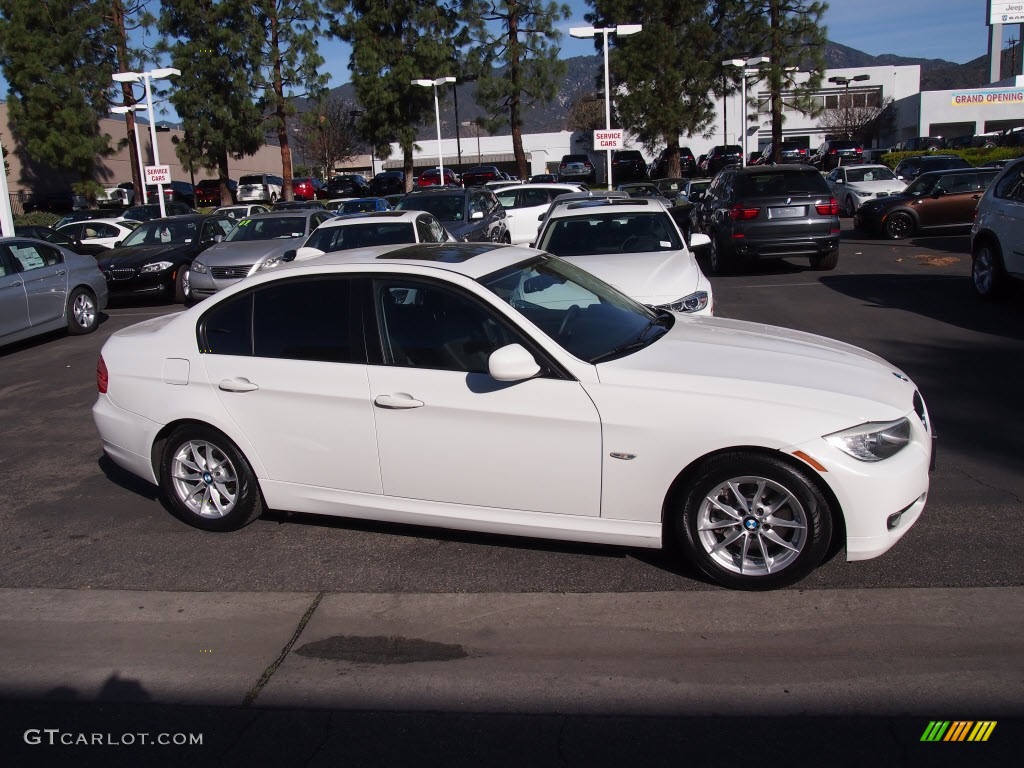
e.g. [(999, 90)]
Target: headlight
[(157, 266), (199, 267), (695, 302), (270, 263), (874, 441)]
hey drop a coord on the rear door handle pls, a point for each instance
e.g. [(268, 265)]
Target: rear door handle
[(397, 401), (238, 385)]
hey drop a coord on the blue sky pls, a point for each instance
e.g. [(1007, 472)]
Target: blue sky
[(936, 29)]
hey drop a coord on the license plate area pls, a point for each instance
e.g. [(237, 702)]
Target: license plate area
[(788, 212)]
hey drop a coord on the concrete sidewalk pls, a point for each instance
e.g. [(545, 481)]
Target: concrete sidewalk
[(212, 659)]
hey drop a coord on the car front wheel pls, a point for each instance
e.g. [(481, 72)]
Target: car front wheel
[(751, 521), (898, 226), (207, 481), (183, 284)]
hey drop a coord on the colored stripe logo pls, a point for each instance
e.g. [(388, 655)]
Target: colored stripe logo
[(958, 730)]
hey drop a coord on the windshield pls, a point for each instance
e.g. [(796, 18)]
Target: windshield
[(329, 239), (854, 175), (270, 228), (585, 316), (443, 207), (610, 232), (162, 232)]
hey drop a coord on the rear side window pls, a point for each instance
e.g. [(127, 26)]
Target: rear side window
[(303, 320), (780, 183), (1011, 185)]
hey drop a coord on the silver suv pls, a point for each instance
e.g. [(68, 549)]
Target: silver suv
[(997, 235)]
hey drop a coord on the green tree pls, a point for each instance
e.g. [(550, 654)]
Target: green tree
[(515, 58), (664, 78), (284, 64), (58, 58), (394, 43), (791, 34), (210, 46)]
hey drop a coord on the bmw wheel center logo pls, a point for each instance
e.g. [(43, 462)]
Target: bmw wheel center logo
[(751, 524)]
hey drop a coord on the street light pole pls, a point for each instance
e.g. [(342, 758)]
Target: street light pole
[(743, 64), (622, 30), (848, 81), (437, 114), (138, 147), (145, 77)]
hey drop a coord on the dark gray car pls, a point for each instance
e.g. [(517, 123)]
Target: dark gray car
[(44, 287), (769, 211), (470, 215)]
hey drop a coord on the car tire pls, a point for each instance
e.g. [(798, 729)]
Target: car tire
[(849, 209), (83, 315), (507, 238), (899, 225), (183, 284), (751, 521), (206, 480), (987, 273), (718, 262), (825, 261)]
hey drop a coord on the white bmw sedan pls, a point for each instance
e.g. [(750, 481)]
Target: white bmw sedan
[(501, 389)]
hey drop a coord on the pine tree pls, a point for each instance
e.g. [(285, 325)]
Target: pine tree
[(58, 58), (215, 102), (515, 59), (394, 43)]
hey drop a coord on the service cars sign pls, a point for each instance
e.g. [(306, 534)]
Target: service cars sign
[(158, 174), (610, 139)]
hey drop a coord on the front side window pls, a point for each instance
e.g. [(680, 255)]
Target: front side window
[(424, 325)]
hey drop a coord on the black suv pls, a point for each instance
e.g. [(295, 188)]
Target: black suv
[(387, 183), (767, 212), (789, 152), (349, 185), (577, 168), (687, 164), (721, 157), (628, 165), (469, 215), (910, 168), (834, 153)]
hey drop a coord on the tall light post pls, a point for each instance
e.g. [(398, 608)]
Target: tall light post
[(847, 81), (146, 77), (437, 115), (744, 63), (138, 147), (622, 30)]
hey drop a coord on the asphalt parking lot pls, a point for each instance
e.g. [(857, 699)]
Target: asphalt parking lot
[(71, 519)]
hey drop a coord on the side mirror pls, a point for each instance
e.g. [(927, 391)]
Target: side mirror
[(288, 255), (304, 253), (476, 215), (118, 243), (840, 181), (699, 240), (512, 363), (218, 238)]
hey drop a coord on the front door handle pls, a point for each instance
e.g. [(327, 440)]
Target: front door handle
[(238, 385), (397, 401)]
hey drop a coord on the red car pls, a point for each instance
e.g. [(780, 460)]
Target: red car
[(432, 177), (308, 188)]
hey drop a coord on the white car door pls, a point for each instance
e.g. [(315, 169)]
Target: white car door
[(524, 208), (290, 384), (448, 432)]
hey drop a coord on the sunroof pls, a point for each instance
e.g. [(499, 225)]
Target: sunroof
[(448, 253)]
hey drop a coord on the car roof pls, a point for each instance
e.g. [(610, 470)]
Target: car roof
[(568, 186), (355, 218), (288, 213), (751, 170), (624, 205), (956, 171), (474, 260), (106, 221)]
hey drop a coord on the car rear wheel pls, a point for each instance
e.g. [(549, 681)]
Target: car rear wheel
[(825, 261), (987, 274), (82, 314), (718, 262), (754, 522), (899, 225), (207, 481)]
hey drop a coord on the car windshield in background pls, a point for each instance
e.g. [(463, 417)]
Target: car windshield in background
[(587, 317), (854, 175), (270, 228), (443, 207), (611, 232), (772, 182), (341, 238), (162, 232)]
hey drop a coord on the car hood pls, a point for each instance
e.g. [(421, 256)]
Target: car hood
[(723, 357), (247, 252), (138, 255), (891, 186), (655, 278)]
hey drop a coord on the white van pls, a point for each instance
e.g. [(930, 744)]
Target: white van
[(259, 187)]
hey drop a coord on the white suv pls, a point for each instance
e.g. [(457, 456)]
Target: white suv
[(997, 235), (635, 245)]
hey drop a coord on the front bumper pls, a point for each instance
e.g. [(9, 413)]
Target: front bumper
[(130, 282), (205, 285)]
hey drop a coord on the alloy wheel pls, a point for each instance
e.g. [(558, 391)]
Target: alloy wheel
[(83, 309), (204, 479)]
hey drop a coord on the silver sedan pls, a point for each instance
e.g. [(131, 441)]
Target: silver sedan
[(44, 287)]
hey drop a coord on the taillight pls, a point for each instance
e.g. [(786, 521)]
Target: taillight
[(859, 150), (831, 208), (740, 213), (102, 378), (831, 151)]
